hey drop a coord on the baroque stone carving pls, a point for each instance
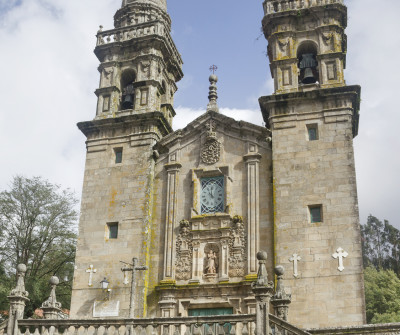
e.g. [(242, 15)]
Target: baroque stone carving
[(211, 150), (237, 247), (184, 252)]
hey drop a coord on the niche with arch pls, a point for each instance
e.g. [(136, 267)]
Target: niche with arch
[(128, 79), (307, 63), (211, 260)]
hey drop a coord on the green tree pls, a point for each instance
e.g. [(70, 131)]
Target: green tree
[(373, 242), (381, 245), (38, 224), (382, 295)]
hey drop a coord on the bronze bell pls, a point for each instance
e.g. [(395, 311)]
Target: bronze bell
[(307, 65), (309, 76), (127, 102)]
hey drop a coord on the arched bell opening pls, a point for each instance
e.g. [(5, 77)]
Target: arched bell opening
[(307, 63), (128, 78)]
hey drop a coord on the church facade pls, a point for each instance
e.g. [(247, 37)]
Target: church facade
[(192, 207)]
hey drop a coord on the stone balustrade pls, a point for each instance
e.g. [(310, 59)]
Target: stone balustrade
[(130, 32), (276, 6), (375, 329), (241, 324)]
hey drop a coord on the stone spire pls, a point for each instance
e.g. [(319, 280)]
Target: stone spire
[(160, 3), (212, 95)]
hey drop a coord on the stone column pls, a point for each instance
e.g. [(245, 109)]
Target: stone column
[(172, 171), (224, 272), (196, 270), (281, 300), (263, 291), (253, 209), (18, 299), (51, 307)]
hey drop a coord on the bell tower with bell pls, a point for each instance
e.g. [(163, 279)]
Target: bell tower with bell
[(313, 116), (139, 68)]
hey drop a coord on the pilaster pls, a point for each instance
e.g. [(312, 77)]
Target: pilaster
[(253, 208), (170, 224)]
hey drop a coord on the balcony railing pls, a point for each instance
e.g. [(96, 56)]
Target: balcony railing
[(242, 324), (276, 6), (131, 32)]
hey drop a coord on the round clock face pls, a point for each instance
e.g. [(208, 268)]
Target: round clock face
[(212, 198)]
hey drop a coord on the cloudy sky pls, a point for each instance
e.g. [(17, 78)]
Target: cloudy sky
[(49, 73)]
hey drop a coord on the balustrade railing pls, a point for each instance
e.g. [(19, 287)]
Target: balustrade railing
[(241, 324), (130, 32), (375, 329), (276, 6)]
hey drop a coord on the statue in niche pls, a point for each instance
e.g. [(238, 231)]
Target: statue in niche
[(211, 260), (211, 268)]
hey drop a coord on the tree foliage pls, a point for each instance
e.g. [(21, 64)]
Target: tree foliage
[(381, 245), (38, 223), (381, 257), (382, 295)]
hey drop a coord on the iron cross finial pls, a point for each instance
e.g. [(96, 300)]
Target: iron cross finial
[(213, 68)]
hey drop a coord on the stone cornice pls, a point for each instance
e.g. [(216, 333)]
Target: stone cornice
[(286, 102), (156, 118)]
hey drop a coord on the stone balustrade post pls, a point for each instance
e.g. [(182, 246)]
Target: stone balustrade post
[(18, 299), (51, 307), (263, 291), (281, 300)]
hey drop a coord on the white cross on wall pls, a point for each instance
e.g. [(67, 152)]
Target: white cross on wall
[(295, 259), (340, 254), (91, 270)]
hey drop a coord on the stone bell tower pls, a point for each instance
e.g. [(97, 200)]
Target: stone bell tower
[(313, 116), (139, 68)]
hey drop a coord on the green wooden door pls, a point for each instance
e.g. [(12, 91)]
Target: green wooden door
[(212, 311)]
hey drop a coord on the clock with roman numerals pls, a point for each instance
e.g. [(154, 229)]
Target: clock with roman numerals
[(212, 196)]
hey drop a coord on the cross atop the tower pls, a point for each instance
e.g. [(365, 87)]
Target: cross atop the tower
[(213, 68)]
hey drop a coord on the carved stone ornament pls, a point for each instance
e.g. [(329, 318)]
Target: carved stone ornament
[(237, 247), (184, 252), (211, 151)]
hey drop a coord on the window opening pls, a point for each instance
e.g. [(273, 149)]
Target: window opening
[(315, 213), (312, 132), (118, 155), (113, 230)]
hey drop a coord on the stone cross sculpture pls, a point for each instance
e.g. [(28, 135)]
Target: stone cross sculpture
[(340, 254), (133, 268), (295, 259), (91, 270)]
